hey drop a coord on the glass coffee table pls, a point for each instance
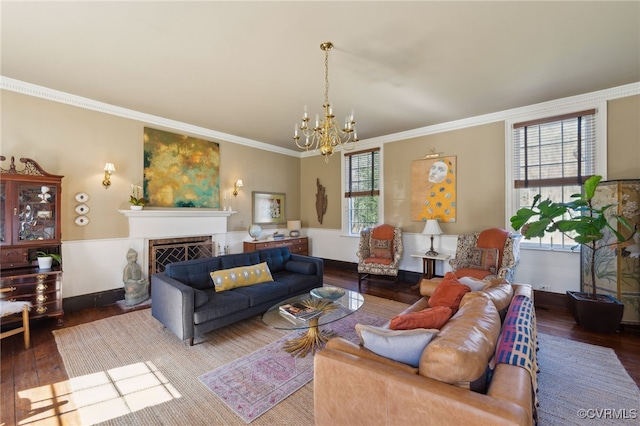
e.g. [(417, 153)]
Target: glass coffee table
[(314, 337)]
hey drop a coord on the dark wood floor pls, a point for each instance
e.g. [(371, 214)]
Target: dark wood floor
[(34, 381)]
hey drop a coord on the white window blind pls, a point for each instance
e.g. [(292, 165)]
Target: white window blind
[(362, 177), (553, 157)]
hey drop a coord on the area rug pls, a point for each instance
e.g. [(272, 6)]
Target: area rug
[(583, 384), (255, 383), (128, 369)]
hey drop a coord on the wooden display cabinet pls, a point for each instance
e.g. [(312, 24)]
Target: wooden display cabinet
[(30, 206)]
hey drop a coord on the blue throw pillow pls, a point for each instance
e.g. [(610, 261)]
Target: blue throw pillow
[(404, 346)]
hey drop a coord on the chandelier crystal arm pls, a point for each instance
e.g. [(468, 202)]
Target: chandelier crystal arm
[(326, 134)]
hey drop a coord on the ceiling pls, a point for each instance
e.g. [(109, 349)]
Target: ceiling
[(248, 68)]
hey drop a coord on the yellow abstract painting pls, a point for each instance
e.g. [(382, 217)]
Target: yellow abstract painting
[(180, 171)]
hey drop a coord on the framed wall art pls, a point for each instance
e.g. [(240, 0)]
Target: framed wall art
[(433, 189), (268, 208), (180, 171)]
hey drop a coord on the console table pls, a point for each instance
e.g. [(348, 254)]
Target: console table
[(298, 245)]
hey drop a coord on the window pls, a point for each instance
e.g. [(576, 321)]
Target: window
[(362, 189), (553, 157)]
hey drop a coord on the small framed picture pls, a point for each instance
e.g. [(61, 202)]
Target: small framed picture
[(268, 208)]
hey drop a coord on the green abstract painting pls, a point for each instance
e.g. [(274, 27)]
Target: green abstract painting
[(180, 171)]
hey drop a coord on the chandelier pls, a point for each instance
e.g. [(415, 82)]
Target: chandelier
[(326, 135)]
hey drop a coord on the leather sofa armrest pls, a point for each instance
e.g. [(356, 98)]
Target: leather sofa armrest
[(173, 305), (351, 390), (427, 287)]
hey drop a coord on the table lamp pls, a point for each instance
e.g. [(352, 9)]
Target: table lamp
[(294, 227), (432, 228)]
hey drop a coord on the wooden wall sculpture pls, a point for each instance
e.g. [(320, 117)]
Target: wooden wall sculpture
[(321, 201)]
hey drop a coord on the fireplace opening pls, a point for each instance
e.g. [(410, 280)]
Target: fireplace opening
[(169, 250)]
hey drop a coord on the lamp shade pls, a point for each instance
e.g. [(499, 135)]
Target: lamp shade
[(239, 183), (109, 167), (294, 225), (432, 228)]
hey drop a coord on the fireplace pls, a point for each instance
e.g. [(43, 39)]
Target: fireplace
[(163, 251), (171, 235)]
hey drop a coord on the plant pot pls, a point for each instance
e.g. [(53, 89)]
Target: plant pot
[(132, 207), (45, 262), (602, 315)]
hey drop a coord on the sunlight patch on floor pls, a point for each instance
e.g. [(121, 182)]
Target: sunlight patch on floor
[(101, 396)]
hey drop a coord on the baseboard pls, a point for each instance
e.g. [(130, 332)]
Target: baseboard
[(93, 300)]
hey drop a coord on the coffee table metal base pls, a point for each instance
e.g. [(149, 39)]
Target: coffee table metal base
[(310, 341)]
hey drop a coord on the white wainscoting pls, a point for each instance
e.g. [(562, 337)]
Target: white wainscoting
[(92, 266)]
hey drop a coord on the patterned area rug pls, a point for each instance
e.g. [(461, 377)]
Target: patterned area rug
[(129, 370), (255, 383), (583, 384)]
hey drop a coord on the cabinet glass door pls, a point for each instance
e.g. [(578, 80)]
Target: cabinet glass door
[(36, 210)]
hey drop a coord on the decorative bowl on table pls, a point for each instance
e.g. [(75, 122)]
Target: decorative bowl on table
[(327, 293)]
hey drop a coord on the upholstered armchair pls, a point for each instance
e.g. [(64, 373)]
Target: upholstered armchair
[(379, 252), (488, 254)]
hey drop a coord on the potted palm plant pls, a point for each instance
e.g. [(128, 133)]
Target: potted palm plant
[(585, 223)]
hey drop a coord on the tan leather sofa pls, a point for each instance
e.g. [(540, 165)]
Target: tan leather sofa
[(354, 386)]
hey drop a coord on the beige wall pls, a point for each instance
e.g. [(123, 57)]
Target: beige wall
[(330, 175), (76, 143), (480, 178), (480, 155), (623, 135)]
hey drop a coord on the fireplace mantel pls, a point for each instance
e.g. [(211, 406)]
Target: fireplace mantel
[(179, 222)]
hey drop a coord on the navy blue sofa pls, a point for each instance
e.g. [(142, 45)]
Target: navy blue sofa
[(184, 299)]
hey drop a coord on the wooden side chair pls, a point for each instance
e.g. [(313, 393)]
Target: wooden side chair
[(7, 308), (379, 252)]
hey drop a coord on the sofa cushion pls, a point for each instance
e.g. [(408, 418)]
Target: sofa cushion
[(194, 273), (305, 268), (448, 293), (220, 304), (226, 279), (498, 290), (461, 351), (473, 283), (480, 274), (276, 258), (404, 346), (265, 293), (426, 318), (239, 259)]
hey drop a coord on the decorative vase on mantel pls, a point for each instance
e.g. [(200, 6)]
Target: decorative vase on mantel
[(134, 207)]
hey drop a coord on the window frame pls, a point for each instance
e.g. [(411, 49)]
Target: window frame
[(600, 160), (346, 229)]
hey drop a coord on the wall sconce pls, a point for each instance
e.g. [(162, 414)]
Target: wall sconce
[(236, 187), (109, 168)]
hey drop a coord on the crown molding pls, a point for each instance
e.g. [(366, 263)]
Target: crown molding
[(549, 107), (29, 89)]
